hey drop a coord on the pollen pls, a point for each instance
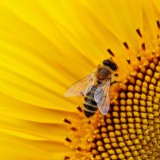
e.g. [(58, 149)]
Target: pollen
[(131, 128)]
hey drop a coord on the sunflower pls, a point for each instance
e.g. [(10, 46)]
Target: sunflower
[(45, 46)]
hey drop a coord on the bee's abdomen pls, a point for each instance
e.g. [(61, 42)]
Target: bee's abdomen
[(89, 110), (90, 106), (90, 101)]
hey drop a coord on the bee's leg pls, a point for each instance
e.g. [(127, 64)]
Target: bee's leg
[(115, 82)]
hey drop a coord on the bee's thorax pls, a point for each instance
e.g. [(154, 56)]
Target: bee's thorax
[(103, 73)]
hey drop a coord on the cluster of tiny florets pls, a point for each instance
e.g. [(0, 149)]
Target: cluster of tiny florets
[(131, 129)]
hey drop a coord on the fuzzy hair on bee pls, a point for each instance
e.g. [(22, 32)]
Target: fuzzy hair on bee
[(95, 88)]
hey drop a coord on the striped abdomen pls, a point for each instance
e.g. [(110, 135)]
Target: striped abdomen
[(90, 106)]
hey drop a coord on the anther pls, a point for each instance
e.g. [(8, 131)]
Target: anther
[(68, 140), (66, 158), (79, 109), (89, 122), (143, 46), (110, 52), (126, 45), (153, 52), (139, 33), (116, 75), (158, 24), (79, 148), (128, 60), (139, 57), (67, 121), (74, 129)]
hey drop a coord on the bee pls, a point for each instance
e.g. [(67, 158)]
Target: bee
[(95, 88)]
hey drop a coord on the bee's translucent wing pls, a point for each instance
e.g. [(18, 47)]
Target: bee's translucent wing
[(81, 87), (102, 98)]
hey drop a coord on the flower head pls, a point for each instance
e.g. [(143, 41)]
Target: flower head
[(47, 45)]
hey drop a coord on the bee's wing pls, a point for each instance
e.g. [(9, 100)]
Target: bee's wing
[(81, 87), (101, 96)]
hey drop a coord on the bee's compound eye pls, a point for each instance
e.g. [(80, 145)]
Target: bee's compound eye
[(106, 62), (110, 64)]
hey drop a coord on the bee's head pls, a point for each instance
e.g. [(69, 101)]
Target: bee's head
[(110, 63)]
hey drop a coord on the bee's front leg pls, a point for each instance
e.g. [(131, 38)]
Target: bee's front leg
[(114, 82)]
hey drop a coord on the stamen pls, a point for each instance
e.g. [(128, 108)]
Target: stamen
[(128, 60), (139, 33), (68, 140), (89, 122), (139, 57), (126, 45), (143, 46), (158, 24), (74, 129), (116, 75), (153, 52), (67, 121), (66, 158), (79, 109), (110, 52), (79, 149)]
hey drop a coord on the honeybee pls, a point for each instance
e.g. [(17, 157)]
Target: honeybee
[(95, 88)]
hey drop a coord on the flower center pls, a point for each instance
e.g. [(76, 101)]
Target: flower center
[(130, 130)]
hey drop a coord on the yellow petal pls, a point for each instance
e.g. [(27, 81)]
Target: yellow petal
[(46, 46)]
